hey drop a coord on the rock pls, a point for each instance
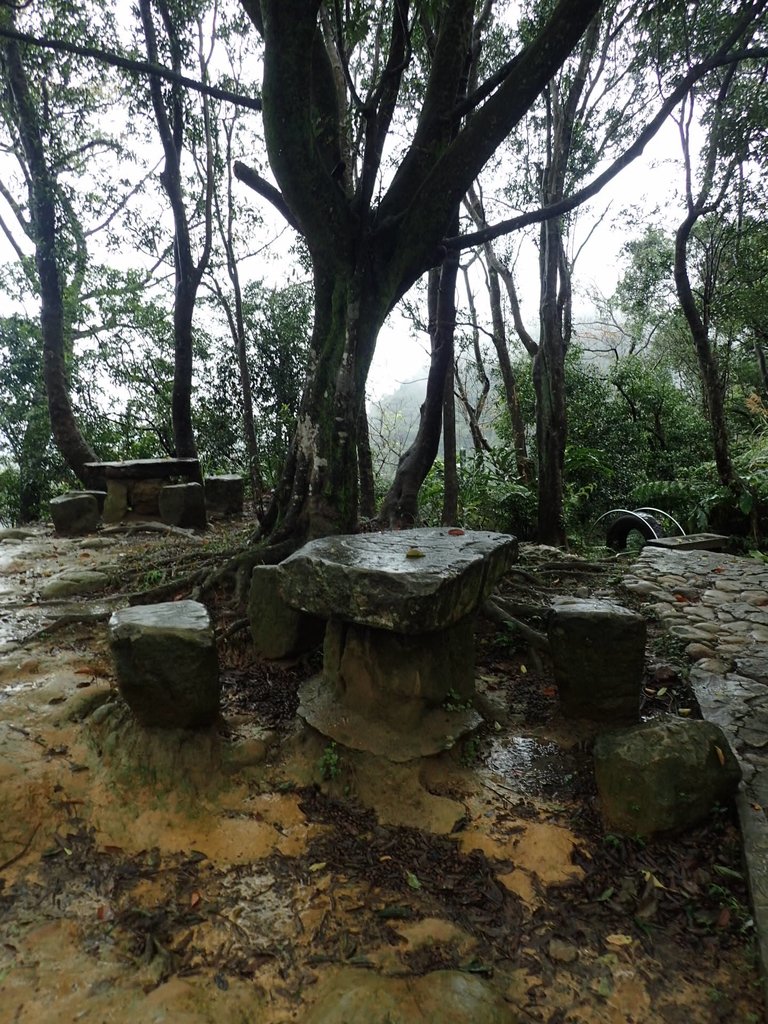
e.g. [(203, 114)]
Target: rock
[(663, 775), (562, 952), (15, 533), (167, 665), (75, 513), (144, 496), (409, 581), (116, 505), (74, 582), (754, 667), (598, 652), (244, 754), (279, 631), (183, 505), (441, 997), (224, 494)]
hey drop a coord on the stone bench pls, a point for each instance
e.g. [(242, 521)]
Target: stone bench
[(133, 487), (398, 664)]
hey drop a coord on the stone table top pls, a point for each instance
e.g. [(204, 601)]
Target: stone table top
[(147, 469), (407, 581)]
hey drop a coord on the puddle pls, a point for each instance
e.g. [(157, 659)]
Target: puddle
[(537, 767)]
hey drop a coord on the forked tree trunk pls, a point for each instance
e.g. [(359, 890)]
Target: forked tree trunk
[(319, 490)]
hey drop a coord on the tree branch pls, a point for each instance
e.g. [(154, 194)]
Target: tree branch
[(141, 67), (254, 180), (635, 150)]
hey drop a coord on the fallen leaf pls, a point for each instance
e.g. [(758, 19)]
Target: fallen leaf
[(650, 877), (194, 899), (684, 712), (724, 918), (618, 939), (662, 691), (523, 669), (412, 880), (414, 553), (318, 866), (681, 599), (720, 755), (456, 533)]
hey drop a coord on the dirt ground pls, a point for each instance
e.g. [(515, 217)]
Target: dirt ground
[(233, 876)]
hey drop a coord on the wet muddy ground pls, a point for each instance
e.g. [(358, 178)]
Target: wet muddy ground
[(241, 875)]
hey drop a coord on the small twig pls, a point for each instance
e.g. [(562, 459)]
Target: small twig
[(22, 852)]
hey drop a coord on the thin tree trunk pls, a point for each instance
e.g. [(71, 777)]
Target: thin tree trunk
[(42, 206), (450, 467), (400, 506), (365, 467), (188, 274), (508, 376), (706, 357), (761, 365)]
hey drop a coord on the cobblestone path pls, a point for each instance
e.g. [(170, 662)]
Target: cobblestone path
[(719, 604)]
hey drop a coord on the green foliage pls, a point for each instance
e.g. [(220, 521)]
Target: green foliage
[(330, 763)]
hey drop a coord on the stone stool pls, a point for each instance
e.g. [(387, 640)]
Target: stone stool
[(398, 663), (277, 630), (167, 665), (598, 655), (224, 494), (183, 505), (75, 513)]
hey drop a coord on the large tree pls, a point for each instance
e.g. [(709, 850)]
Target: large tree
[(373, 216)]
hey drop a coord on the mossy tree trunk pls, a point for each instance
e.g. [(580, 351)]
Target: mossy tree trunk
[(369, 243)]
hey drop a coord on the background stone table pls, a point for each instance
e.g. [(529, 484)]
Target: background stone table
[(135, 485), (398, 665)]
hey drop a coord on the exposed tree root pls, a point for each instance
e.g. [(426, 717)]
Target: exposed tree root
[(572, 566), (237, 627), (68, 619), (20, 854), (129, 529), (497, 614)]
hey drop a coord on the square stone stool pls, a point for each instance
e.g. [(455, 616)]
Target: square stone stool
[(167, 665)]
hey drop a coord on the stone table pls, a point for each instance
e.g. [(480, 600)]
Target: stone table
[(135, 485), (398, 663)]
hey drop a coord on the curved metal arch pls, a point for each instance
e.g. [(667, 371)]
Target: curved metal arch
[(661, 512), (630, 512)]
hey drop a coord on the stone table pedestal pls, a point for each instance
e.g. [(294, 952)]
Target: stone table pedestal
[(398, 662)]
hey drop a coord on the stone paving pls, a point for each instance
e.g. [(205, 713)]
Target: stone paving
[(719, 604)]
